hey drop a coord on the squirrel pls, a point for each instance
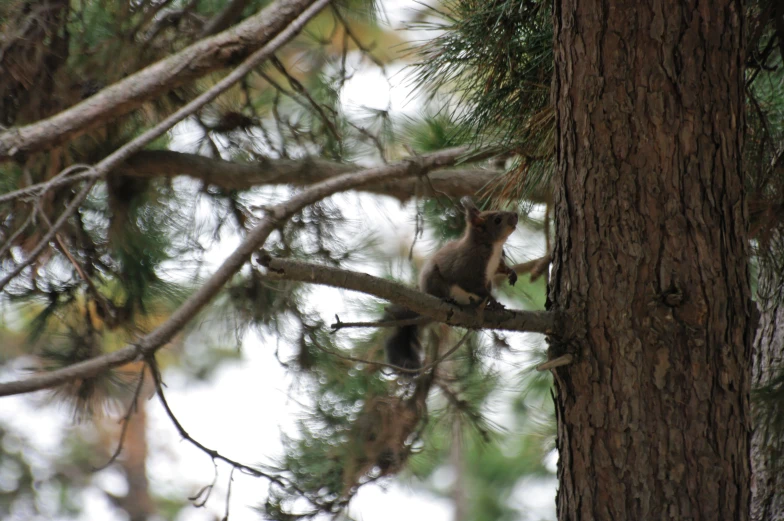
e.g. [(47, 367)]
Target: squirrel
[(461, 271)]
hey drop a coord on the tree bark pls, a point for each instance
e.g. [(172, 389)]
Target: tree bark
[(767, 446), (232, 175), (650, 261)]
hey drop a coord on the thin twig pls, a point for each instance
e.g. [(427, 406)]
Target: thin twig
[(228, 494), (35, 252), (11, 240), (365, 50), (58, 180), (69, 210), (338, 325), (446, 355), (418, 371), (126, 420), (350, 358), (461, 405), (302, 91), (214, 454), (201, 497), (107, 307)]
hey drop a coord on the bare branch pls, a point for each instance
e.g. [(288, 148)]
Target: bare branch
[(228, 494), (338, 325), (302, 172), (12, 239), (63, 178), (420, 371), (203, 495), (374, 363), (132, 408), (124, 96), (212, 453), (230, 175), (44, 242), (253, 241), (427, 305)]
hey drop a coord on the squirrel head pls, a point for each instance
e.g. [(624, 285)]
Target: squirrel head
[(490, 226)]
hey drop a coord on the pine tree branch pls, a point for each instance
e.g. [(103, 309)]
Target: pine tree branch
[(254, 240), (410, 298), (133, 407), (212, 453), (230, 175), (193, 62), (72, 207), (123, 153), (338, 325)]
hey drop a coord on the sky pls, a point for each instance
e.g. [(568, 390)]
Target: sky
[(246, 406)]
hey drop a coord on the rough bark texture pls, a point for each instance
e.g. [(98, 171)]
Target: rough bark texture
[(767, 485), (650, 261)]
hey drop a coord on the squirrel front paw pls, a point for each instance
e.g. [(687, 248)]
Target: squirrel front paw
[(512, 276)]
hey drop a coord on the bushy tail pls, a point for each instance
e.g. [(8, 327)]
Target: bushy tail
[(402, 347)]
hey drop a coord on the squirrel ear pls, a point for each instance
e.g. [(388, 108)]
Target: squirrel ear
[(472, 213)]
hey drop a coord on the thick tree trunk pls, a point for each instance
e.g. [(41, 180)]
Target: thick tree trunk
[(650, 261), (767, 446)]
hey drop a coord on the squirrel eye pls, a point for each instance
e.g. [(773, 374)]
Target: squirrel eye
[(498, 220)]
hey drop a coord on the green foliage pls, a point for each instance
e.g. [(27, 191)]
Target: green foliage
[(494, 62), (435, 132), (491, 459), (361, 427), (495, 58)]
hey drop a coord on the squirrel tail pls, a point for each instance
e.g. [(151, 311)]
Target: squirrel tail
[(402, 347)]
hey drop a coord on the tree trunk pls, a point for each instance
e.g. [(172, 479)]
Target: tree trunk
[(767, 446), (650, 261)]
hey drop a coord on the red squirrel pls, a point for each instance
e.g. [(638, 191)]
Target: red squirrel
[(461, 271)]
